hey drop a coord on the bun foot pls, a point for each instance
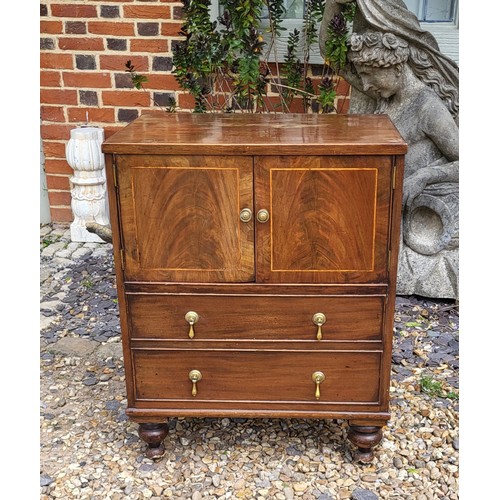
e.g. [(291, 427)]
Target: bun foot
[(365, 438), (153, 435)]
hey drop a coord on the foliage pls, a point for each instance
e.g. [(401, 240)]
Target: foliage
[(224, 64), (137, 79), (337, 34), (435, 389)]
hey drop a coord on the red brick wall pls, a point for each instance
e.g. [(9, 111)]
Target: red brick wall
[(84, 47)]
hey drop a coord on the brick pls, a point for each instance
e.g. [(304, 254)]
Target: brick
[(177, 12), (343, 87), (123, 81), (117, 62), (316, 69), (164, 99), (59, 166), (78, 11), (47, 44), (60, 182), (138, 45), (170, 29), (147, 11), (91, 115), (75, 27), (116, 44), (110, 11), (58, 96), (50, 79), (81, 43), (54, 149), (127, 115), (88, 97), (126, 98), (175, 43), (43, 10), (342, 105), (109, 131), (51, 27), (186, 101), (52, 114), (161, 82), (59, 198), (162, 63), (56, 61), (111, 28), (148, 29), (60, 214), (85, 61), (89, 80)]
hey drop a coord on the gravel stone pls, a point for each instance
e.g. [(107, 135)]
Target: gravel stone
[(361, 494), (90, 449), (45, 480)]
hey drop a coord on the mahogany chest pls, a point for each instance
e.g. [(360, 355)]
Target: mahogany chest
[(256, 260)]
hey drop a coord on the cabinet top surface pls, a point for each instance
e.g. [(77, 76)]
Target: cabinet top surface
[(267, 134)]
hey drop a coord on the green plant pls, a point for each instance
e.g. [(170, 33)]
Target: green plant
[(225, 64), (49, 240), (337, 35), (139, 80), (87, 283), (435, 389)]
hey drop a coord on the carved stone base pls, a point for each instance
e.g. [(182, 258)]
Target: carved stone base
[(365, 438), (153, 435)]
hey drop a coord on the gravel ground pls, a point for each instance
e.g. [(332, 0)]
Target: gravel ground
[(89, 449)]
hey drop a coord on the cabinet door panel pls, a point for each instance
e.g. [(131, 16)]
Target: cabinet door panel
[(329, 218), (180, 218)]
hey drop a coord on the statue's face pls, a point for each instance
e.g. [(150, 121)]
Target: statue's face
[(381, 82)]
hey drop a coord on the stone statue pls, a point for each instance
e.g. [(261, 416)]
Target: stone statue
[(396, 68)]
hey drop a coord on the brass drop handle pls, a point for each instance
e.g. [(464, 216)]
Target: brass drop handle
[(246, 215), (319, 319), (191, 317), (318, 377), (263, 215), (195, 377)]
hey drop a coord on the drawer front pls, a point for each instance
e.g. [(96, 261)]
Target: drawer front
[(264, 376), (159, 316)]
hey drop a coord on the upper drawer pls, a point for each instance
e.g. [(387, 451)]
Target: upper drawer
[(251, 317)]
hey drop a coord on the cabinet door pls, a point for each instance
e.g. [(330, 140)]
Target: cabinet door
[(328, 218), (180, 218)]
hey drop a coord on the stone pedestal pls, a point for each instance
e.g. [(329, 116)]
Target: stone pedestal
[(88, 194)]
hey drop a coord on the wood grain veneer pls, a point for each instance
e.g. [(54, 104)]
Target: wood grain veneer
[(332, 187)]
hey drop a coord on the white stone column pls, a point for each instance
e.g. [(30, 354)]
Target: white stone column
[(88, 194)]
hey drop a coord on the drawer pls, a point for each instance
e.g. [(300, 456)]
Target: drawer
[(276, 318), (263, 376)]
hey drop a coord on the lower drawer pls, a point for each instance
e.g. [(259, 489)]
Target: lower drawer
[(254, 317), (272, 376)]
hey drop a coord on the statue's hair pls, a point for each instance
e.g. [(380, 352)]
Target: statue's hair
[(377, 49), (383, 50)]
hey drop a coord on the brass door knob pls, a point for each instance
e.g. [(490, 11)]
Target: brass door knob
[(191, 317), (318, 377), (263, 215), (319, 319), (246, 215), (195, 377)]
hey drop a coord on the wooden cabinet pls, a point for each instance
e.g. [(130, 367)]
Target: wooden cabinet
[(256, 260)]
